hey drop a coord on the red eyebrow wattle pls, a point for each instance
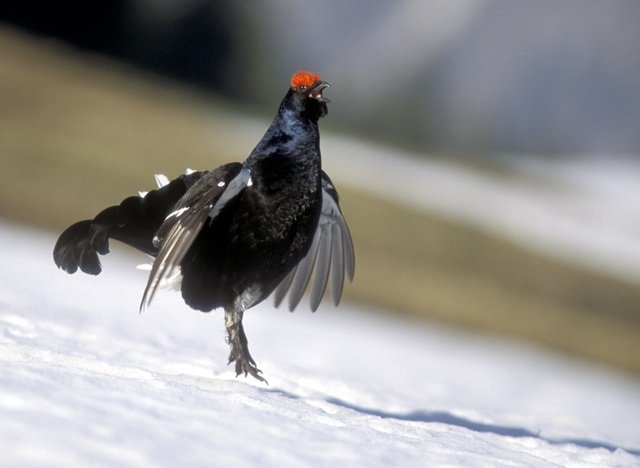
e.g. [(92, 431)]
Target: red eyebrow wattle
[(304, 78)]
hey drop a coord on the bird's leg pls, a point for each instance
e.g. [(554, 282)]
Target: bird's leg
[(239, 345)]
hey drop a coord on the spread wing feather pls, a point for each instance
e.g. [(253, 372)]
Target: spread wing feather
[(303, 274), (331, 255), (282, 289), (176, 235), (322, 265), (337, 264)]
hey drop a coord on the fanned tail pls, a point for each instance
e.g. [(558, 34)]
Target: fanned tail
[(78, 247), (134, 221)]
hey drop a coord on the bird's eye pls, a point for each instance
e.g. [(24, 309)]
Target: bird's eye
[(302, 88)]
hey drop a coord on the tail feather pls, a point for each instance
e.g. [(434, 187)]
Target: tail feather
[(134, 221), (75, 249)]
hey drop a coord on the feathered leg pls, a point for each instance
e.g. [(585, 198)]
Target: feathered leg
[(237, 340)]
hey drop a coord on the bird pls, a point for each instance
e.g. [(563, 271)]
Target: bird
[(232, 236)]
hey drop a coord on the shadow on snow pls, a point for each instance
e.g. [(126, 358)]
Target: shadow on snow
[(453, 420)]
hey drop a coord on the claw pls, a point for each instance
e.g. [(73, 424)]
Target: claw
[(240, 347), (245, 364)]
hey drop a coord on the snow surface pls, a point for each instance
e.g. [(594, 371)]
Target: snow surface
[(87, 381)]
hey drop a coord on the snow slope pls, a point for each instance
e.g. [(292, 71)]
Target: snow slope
[(87, 381)]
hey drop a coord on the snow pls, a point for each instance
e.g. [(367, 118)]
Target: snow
[(87, 381)]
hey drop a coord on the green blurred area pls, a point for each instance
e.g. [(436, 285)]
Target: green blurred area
[(79, 133)]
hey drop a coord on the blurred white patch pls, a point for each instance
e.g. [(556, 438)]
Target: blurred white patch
[(161, 180), (172, 282), (177, 213)]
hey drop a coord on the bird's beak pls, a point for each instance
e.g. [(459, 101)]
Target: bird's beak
[(316, 91)]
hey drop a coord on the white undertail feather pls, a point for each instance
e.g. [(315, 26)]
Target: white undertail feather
[(248, 298), (161, 180)]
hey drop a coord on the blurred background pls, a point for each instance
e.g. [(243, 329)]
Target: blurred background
[(487, 153)]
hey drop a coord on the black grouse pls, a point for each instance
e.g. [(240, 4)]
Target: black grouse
[(232, 236)]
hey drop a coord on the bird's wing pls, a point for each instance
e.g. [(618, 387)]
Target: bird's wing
[(331, 255), (178, 231)]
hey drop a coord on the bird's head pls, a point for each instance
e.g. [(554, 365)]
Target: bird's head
[(306, 89), (310, 85)]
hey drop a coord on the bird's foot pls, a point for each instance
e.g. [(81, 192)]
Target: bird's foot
[(245, 363), (240, 347)]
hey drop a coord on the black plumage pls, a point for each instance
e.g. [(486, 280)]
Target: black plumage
[(234, 235)]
